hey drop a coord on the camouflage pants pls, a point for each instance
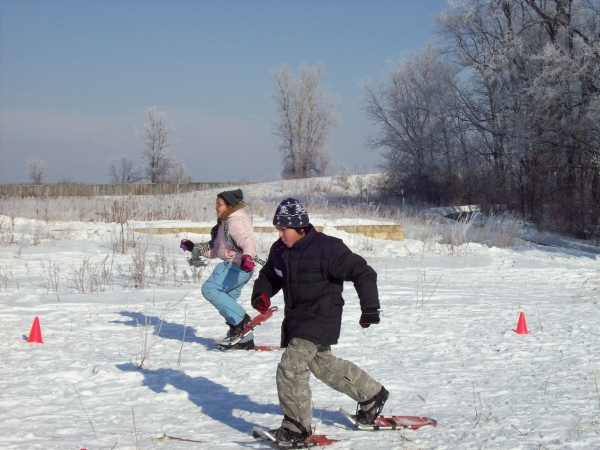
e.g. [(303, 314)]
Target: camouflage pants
[(293, 372)]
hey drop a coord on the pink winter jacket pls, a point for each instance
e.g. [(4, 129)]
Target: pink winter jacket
[(239, 225)]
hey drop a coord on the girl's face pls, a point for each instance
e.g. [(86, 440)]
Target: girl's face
[(289, 236), (221, 207)]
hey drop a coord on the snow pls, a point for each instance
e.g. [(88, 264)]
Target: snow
[(446, 347)]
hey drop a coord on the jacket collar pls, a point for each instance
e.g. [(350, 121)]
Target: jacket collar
[(229, 212), (301, 244)]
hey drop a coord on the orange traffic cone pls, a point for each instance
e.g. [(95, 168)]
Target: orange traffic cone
[(522, 325), (35, 335)]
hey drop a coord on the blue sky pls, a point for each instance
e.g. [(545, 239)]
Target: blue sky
[(76, 78)]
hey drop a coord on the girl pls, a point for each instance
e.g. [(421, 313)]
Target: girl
[(232, 240)]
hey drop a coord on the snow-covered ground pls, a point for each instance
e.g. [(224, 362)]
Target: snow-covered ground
[(446, 346)]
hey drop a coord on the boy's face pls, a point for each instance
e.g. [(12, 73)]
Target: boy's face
[(289, 236)]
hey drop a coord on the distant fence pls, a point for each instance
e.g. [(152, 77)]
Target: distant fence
[(389, 232), (90, 190)]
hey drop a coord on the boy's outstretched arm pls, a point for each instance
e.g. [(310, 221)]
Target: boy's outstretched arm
[(266, 286), (349, 266)]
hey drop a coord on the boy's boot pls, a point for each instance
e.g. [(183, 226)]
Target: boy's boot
[(291, 431), (369, 410)]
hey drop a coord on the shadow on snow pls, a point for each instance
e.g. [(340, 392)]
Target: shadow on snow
[(217, 402), (168, 330)]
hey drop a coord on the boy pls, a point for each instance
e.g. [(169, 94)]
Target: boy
[(311, 267)]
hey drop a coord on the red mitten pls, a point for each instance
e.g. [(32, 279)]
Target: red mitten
[(261, 303), (247, 264)]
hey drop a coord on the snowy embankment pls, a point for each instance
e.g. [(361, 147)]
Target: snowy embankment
[(445, 348)]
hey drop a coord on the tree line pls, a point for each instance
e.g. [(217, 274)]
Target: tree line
[(504, 113)]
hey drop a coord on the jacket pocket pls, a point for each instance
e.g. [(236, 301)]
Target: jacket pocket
[(304, 311), (337, 305)]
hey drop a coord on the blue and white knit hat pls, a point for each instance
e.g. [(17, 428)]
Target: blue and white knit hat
[(291, 214)]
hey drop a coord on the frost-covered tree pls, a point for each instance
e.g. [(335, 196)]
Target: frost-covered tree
[(414, 107), (505, 112), (36, 170), (157, 162), (305, 119), (122, 170), (531, 100), (178, 173)]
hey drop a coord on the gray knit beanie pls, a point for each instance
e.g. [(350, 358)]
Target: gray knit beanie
[(233, 198)]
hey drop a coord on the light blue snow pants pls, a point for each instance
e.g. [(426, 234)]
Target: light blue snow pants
[(223, 288)]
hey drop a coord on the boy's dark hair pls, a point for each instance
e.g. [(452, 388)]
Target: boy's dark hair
[(299, 229)]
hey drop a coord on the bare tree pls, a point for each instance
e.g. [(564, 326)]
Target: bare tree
[(36, 170), (157, 162), (419, 131), (304, 120), (65, 179), (122, 170), (178, 173), (325, 162)]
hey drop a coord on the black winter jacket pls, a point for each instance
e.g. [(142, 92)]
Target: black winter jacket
[(311, 275)]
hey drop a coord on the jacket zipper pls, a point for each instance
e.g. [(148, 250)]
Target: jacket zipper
[(286, 258)]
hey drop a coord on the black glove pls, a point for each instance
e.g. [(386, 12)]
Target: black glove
[(186, 244), (369, 317)]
